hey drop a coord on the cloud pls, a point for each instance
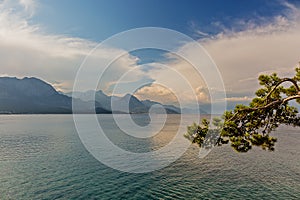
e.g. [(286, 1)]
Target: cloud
[(239, 99), (157, 93), (25, 50), (200, 33), (242, 53), (29, 6), (178, 76), (272, 46), (248, 49), (202, 94)]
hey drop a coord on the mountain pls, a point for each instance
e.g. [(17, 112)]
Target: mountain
[(34, 96), (201, 110), (103, 100), (120, 104), (169, 108), (126, 104)]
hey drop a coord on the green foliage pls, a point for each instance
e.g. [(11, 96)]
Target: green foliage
[(251, 125), (197, 133)]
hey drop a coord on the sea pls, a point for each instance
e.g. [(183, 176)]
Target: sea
[(43, 157)]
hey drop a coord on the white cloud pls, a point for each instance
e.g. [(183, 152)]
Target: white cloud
[(269, 47), (239, 99), (202, 94), (178, 76), (174, 82), (156, 93), (29, 6), (272, 45), (25, 50)]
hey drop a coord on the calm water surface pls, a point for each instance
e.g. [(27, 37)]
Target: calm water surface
[(42, 157)]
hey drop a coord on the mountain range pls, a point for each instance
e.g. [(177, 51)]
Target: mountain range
[(126, 104), (34, 96)]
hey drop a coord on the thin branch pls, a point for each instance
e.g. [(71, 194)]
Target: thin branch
[(291, 98), (281, 101), (294, 82), (282, 81)]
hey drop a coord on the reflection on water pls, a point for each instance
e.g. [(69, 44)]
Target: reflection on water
[(158, 137), (41, 157), (113, 144)]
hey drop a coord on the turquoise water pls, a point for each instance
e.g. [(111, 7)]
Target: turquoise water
[(41, 157)]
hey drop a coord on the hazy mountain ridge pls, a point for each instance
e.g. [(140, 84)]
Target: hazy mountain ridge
[(34, 96), (31, 95), (126, 104)]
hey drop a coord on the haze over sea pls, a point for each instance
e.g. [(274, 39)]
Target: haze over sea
[(42, 157)]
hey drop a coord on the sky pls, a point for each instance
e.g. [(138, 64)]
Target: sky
[(50, 39)]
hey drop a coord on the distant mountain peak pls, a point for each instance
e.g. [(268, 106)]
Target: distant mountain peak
[(100, 91), (121, 104), (29, 86), (33, 95), (127, 96)]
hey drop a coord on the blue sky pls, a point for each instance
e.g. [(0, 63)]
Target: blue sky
[(49, 39), (98, 20)]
